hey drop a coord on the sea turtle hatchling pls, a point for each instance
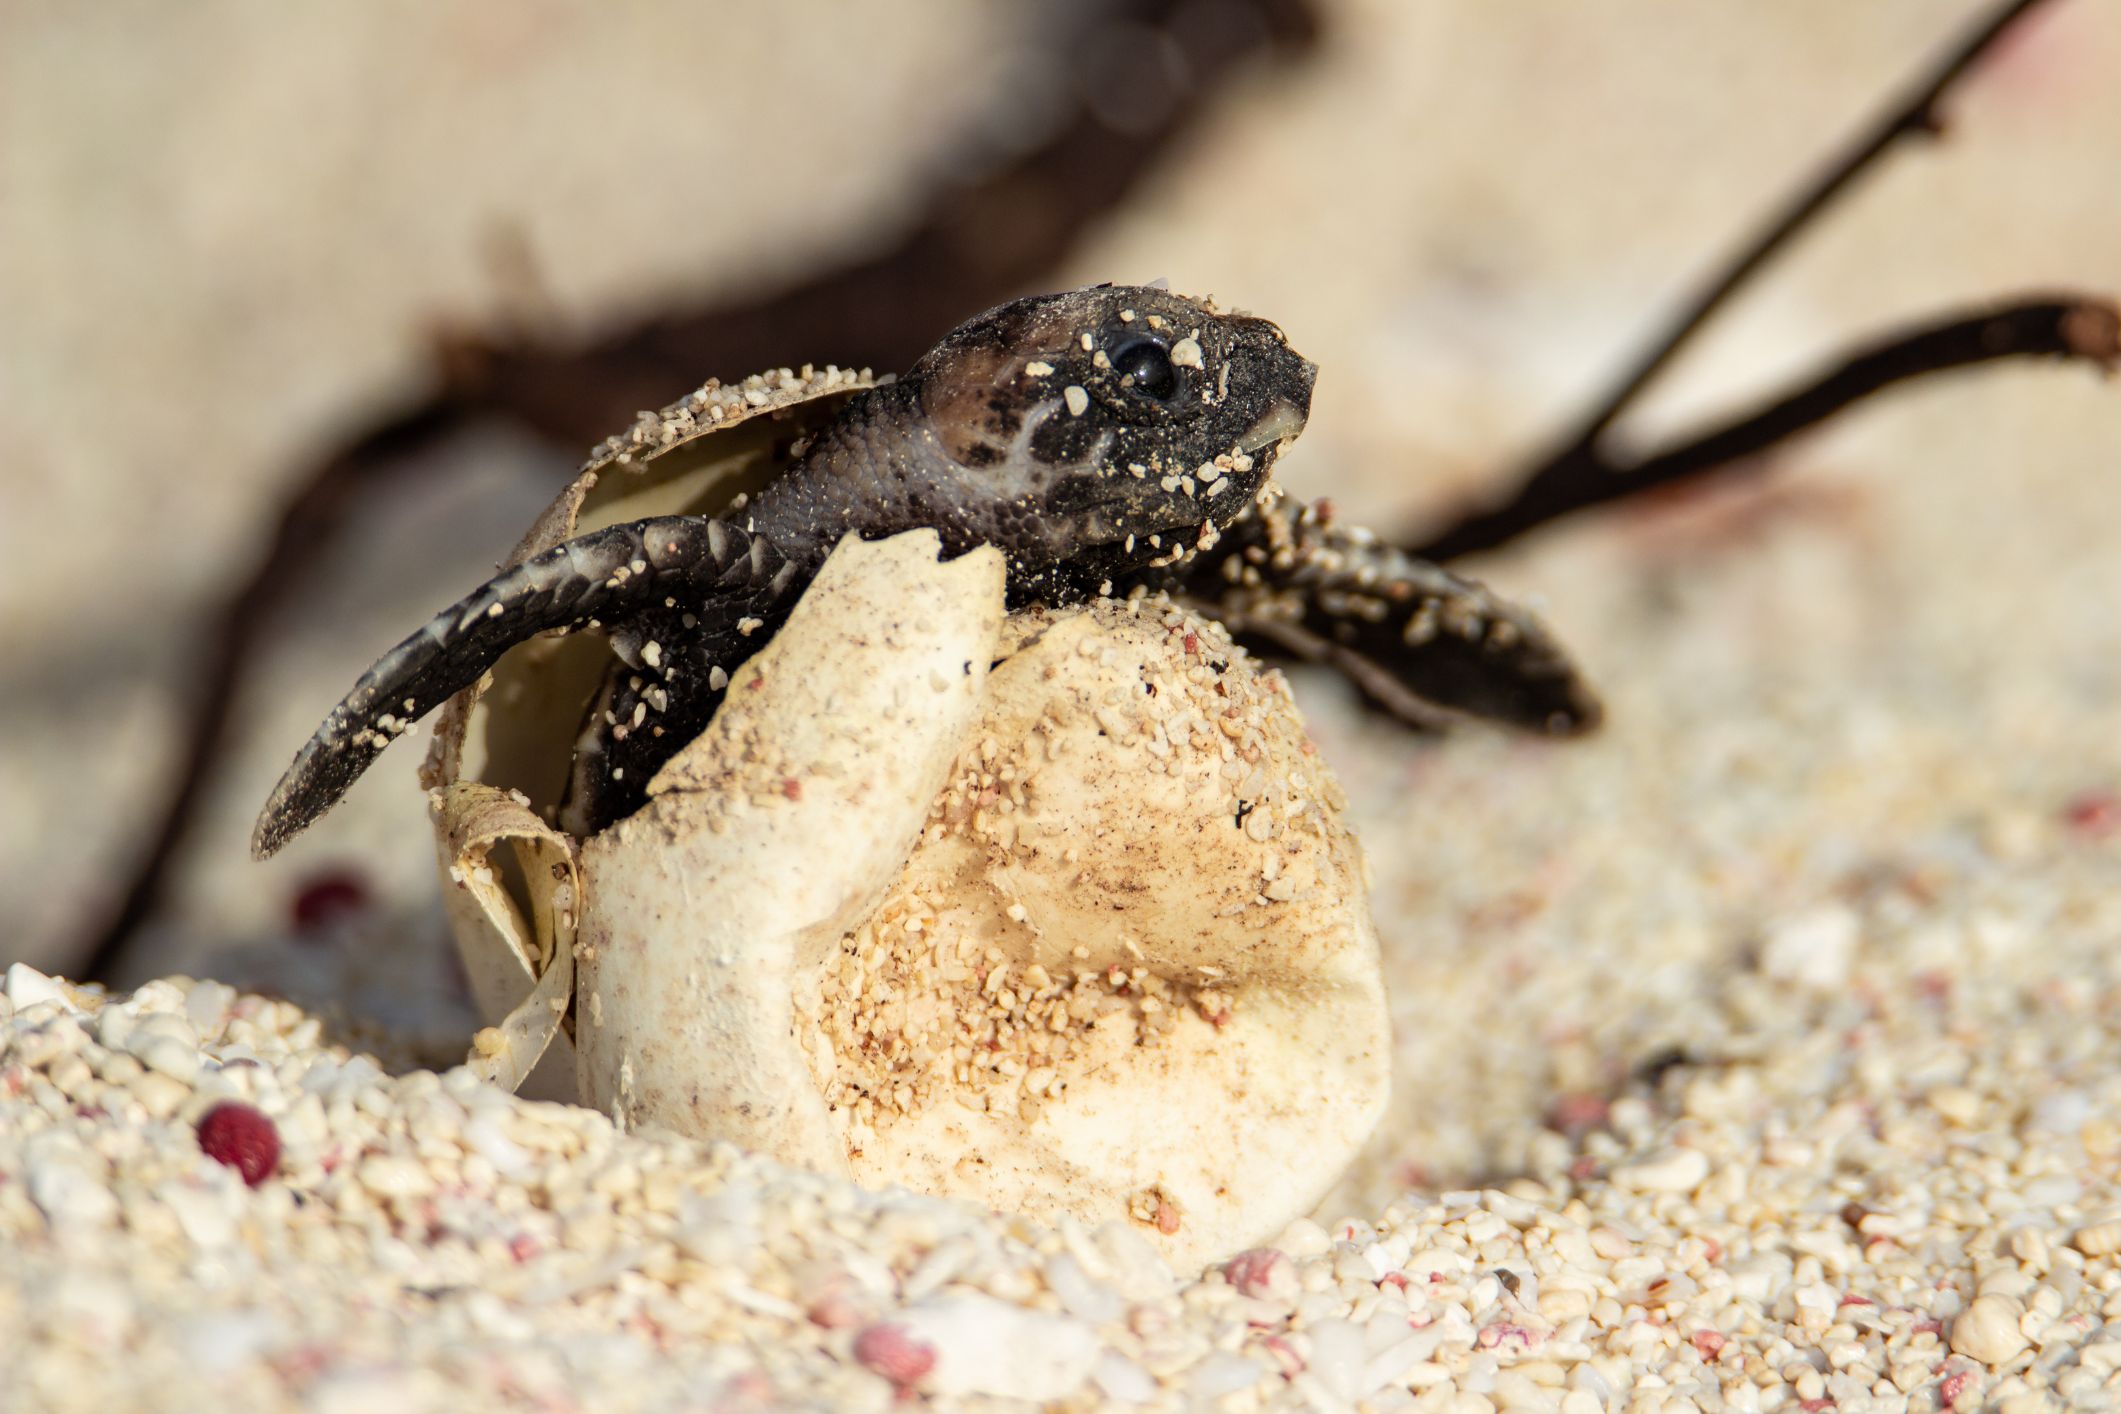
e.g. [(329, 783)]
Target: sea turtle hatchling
[(1106, 440)]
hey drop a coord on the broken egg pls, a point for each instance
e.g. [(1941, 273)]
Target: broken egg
[(1055, 912)]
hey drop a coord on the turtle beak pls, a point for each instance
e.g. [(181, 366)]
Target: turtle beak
[(1290, 406), (1285, 376), (1281, 421)]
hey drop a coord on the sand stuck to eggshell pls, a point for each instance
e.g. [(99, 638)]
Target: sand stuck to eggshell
[(1081, 935), (1131, 953), (770, 837)]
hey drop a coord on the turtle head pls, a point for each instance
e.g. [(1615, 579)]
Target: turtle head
[(1105, 430)]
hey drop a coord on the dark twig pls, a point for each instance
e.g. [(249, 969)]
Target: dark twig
[(982, 241), (2066, 327), (1914, 115), (1579, 457)]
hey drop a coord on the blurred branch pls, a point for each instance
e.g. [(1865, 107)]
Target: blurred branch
[(1914, 114), (1137, 75), (320, 508), (2070, 327)]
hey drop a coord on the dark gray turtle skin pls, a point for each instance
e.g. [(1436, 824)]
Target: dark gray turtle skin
[(1107, 440)]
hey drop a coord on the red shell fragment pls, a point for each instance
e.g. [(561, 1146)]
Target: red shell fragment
[(327, 898), (241, 1137), (891, 1351)]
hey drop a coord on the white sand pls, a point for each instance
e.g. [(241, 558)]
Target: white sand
[(1845, 872), (1846, 850)]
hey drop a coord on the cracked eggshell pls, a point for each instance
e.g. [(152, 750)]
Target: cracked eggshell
[(1084, 935), (1129, 971), (511, 735), (515, 893), (772, 836)]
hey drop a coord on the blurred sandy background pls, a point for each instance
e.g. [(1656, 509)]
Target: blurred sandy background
[(230, 231)]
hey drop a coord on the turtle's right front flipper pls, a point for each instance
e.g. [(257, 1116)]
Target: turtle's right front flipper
[(605, 576)]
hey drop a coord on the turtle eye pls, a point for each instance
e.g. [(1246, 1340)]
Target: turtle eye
[(1144, 366)]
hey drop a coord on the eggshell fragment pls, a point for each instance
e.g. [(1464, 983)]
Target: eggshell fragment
[(1057, 914), (770, 837), (513, 903), (502, 748), (1129, 972)]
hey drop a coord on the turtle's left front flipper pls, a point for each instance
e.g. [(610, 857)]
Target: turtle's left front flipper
[(1421, 642), (606, 576)]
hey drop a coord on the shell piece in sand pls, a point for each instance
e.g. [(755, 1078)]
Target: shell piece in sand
[(512, 733), (514, 905), (1056, 914)]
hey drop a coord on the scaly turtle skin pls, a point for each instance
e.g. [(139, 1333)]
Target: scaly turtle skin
[(1104, 439)]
